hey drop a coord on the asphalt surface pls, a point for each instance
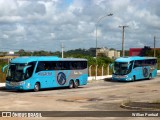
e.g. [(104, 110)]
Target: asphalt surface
[(101, 95)]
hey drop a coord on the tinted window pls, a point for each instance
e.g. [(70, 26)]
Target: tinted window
[(30, 69), (151, 62), (141, 63), (40, 67), (138, 63), (61, 65)]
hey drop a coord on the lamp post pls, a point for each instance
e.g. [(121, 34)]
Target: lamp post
[(110, 14), (97, 26)]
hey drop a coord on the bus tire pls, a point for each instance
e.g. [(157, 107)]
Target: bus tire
[(76, 83), (36, 87), (150, 76), (71, 84), (134, 78)]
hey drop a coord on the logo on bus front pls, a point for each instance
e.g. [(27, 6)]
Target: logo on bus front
[(61, 78)]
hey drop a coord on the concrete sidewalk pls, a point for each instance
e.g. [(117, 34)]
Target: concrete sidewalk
[(2, 84), (99, 77)]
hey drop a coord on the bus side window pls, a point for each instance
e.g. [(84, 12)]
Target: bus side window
[(64, 65), (71, 65), (47, 66), (136, 64), (75, 65), (143, 63), (53, 65), (31, 69), (58, 65), (154, 62), (79, 65), (149, 62), (40, 67), (84, 65)]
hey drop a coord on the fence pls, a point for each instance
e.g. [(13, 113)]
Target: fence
[(99, 72)]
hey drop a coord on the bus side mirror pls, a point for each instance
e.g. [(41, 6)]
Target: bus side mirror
[(111, 65), (3, 69), (25, 68)]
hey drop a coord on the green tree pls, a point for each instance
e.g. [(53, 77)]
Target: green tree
[(145, 51)]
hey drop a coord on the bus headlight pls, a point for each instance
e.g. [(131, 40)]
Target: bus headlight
[(21, 83), (126, 76)]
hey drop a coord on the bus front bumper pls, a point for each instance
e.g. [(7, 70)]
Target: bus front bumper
[(121, 78), (15, 85)]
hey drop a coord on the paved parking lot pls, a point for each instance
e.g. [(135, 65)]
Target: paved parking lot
[(102, 95)]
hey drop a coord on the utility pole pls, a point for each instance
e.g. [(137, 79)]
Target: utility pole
[(154, 46), (62, 49), (123, 27)]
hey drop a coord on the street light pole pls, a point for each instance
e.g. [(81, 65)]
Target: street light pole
[(96, 31), (97, 26), (154, 46), (123, 27)]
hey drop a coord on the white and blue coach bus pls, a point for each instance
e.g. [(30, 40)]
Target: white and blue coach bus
[(25, 73), (134, 68)]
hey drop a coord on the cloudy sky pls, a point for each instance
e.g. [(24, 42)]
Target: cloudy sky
[(45, 24)]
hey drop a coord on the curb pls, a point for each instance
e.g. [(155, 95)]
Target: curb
[(2, 84), (129, 107), (92, 78)]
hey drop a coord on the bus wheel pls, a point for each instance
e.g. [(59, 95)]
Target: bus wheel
[(71, 84), (36, 87), (150, 76), (76, 83)]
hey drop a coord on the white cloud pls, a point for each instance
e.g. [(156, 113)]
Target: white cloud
[(5, 36), (47, 23), (133, 25), (8, 7), (53, 35), (10, 19), (19, 30)]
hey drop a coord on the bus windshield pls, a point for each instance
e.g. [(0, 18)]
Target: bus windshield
[(15, 72), (121, 68)]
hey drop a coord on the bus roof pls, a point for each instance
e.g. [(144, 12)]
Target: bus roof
[(43, 58), (127, 59)]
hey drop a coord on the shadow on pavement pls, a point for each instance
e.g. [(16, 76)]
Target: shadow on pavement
[(119, 81), (110, 80), (3, 89)]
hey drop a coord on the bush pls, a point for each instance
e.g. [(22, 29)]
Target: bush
[(3, 62)]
